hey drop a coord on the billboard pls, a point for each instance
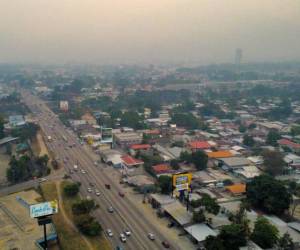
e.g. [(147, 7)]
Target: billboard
[(64, 105), (43, 209), (106, 135), (182, 181)]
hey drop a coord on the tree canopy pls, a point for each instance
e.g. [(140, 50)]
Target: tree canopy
[(71, 189), (165, 184), (248, 140), (272, 137), (233, 236), (273, 162), (274, 199), (198, 158), (264, 234)]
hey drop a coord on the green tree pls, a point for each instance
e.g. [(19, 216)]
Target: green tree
[(19, 170), (26, 132), (242, 128), (88, 225), (252, 126), (195, 203), (165, 184), (133, 120), (71, 189), (233, 236), (198, 216), (273, 162), (274, 199), (199, 159), (286, 242), (1, 127), (264, 234), (174, 164), (43, 160), (248, 140), (186, 120), (213, 243), (272, 137), (210, 204), (83, 206), (295, 130)]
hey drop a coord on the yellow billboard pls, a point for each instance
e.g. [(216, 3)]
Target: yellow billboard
[(182, 181)]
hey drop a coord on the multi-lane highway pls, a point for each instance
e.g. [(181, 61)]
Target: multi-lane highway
[(66, 148)]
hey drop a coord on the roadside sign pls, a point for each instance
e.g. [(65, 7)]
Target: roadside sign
[(182, 181), (43, 209)]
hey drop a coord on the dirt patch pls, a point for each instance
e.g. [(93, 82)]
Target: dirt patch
[(69, 236), (38, 145), (4, 160)]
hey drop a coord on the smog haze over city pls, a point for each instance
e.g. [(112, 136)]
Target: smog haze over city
[(142, 31), (149, 124)]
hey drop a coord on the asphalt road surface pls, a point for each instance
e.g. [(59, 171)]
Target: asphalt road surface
[(68, 151)]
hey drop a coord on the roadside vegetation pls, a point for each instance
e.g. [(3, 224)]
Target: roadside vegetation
[(65, 223)]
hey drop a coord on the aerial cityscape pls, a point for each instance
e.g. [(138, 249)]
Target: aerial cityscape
[(150, 125)]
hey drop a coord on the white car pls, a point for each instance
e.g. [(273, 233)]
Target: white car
[(110, 209), (122, 238), (151, 236), (89, 190), (127, 232), (109, 233)]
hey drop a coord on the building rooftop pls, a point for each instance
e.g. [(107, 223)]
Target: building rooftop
[(236, 161), (219, 154), (199, 145), (200, 231), (178, 212), (130, 161), (237, 188), (161, 168), (140, 146)]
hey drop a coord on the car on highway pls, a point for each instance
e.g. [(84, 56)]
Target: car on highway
[(151, 236), (109, 233), (165, 244), (122, 237), (127, 232), (110, 209), (97, 193)]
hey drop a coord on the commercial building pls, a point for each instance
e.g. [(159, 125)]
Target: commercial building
[(127, 139), (16, 121)]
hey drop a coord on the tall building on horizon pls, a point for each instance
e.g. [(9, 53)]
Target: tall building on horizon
[(238, 57)]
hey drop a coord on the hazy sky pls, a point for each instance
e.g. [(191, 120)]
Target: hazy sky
[(151, 31)]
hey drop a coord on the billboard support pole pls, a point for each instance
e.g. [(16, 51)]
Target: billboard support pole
[(45, 237)]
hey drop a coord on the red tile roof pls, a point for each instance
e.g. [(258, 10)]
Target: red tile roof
[(161, 168), (288, 143), (130, 161), (140, 146), (199, 145)]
